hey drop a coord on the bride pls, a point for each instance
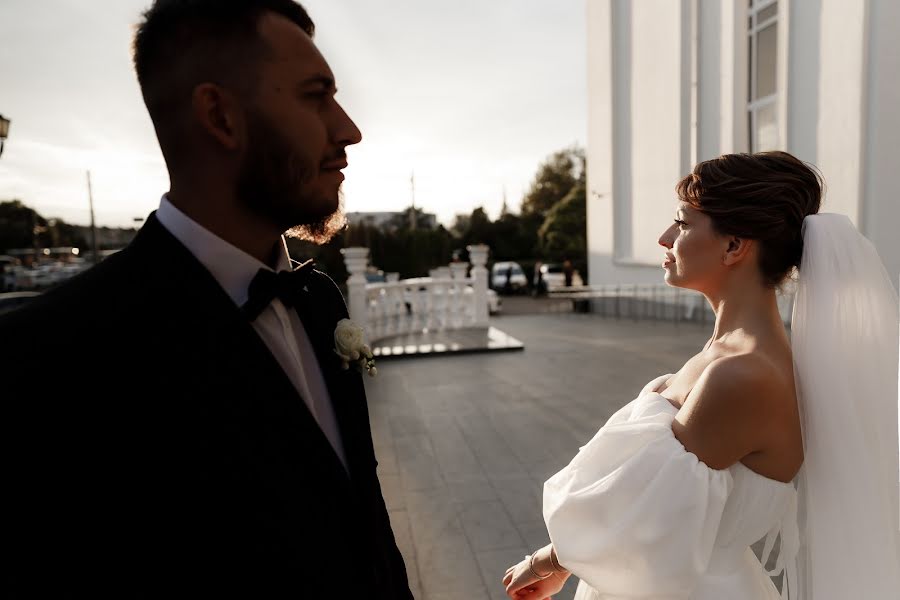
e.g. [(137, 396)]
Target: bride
[(757, 436)]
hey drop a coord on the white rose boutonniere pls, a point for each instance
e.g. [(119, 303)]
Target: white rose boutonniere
[(350, 346)]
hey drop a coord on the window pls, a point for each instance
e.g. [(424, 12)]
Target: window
[(762, 88)]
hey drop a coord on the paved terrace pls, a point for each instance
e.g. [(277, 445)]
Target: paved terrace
[(464, 443)]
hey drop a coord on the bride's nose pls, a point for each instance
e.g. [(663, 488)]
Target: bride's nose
[(665, 240)]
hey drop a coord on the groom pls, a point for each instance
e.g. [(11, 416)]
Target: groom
[(176, 419)]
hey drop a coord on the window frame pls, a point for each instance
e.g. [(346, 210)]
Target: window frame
[(753, 104)]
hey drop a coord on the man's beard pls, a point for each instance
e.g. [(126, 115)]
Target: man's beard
[(273, 184)]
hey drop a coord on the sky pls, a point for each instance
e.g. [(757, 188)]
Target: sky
[(469, 96)]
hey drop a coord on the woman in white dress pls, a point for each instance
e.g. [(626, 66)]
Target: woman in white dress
[(667, 498)]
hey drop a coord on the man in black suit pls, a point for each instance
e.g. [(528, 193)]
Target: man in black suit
[(179, 423)]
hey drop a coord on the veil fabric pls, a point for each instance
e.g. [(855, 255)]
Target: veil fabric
[(845, 349)]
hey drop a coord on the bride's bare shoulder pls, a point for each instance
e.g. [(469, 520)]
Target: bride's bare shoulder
[(730, 409)]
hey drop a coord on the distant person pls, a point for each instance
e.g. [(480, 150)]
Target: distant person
[(507, 287), (538, 278), (568, 272), (201, 438)]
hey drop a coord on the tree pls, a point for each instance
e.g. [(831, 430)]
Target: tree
[(564, 232), (403, 219), (23, 227), (460, 226), (556, 176), (19, 225)]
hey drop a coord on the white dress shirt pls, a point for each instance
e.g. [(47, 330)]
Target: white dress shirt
[(280, 328)]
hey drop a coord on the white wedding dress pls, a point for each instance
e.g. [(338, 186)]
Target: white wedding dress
[(634, 515)]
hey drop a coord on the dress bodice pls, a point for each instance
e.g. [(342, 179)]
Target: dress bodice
[(635, 515)]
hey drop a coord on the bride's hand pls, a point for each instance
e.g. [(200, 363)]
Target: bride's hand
[(520, 582)]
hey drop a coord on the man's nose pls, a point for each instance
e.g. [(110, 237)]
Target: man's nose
[(346, 131)]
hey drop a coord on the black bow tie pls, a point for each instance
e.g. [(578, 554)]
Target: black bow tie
[(268, 285)]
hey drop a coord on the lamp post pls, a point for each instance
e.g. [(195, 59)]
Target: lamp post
[(4, 131)]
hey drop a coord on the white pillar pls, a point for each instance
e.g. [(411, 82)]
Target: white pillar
[(459, 298), (356, 260), (478, 256)]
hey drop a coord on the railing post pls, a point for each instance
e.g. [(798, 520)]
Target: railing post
[(458, 274), (356, 260), (478, 255)]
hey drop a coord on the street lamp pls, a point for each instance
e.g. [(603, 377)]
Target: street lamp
[(4, 131)]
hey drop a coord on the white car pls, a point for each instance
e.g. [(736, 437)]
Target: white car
[(501, 271), (553, 277)]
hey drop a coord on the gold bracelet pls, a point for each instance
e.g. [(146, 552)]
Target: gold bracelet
[(535, 573), (555, 563)]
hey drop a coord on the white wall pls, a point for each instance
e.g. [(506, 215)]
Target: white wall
[(838, 65), (658, 94), (881, 168), (842, 52), (638, 132)]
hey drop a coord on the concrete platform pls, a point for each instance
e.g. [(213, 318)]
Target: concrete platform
[(439, 343), (465, 442)]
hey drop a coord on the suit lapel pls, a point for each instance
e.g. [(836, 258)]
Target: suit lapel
[(345, 387), (229, 350)]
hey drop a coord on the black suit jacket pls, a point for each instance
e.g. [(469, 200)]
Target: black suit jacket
[(155, 447)]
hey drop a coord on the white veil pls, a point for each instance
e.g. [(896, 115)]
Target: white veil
[(844, 338)]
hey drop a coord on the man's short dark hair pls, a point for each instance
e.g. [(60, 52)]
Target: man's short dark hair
[(182, 43)]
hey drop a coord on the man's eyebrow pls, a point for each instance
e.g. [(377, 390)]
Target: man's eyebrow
[(323, 80)]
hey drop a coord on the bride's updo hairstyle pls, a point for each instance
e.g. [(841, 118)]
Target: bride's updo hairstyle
[(764, 197)]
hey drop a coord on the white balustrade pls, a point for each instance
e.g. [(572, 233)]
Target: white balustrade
[(356, 261), (478, 254), (449, 298)]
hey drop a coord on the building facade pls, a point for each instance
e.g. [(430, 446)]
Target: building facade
[(674, 82)]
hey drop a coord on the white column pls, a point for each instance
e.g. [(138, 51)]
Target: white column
[(458, 273), (478, 256), (356, 260)]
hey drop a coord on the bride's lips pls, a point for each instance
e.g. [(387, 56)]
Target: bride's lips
[(669, 260)]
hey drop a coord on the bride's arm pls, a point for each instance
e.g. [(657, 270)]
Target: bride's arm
[(540, 570)]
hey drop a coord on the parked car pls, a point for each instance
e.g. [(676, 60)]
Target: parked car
[(14, 300), (553, 277), (501, 271), (20, 278)]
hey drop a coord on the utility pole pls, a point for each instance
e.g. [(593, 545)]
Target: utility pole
[(412, 210), (93, 225)]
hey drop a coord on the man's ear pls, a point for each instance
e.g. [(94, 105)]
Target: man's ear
[(219, 114), (737, 250)]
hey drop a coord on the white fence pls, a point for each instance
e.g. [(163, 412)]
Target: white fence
[(452, 297), (657, 301)]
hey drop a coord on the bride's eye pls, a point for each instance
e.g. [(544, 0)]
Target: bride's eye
[(680, 222)]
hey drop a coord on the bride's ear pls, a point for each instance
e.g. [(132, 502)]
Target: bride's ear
[(738, 249)]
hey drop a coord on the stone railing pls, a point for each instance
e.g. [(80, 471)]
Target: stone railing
[(450, 298), (656, 301)]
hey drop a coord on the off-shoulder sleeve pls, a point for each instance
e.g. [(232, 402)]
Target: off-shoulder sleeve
[(634, 514)]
